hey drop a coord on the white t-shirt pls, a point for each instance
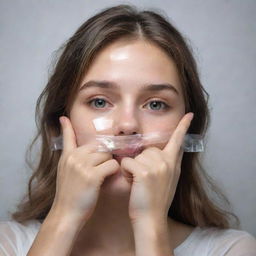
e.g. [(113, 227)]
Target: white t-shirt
[(16, 239)]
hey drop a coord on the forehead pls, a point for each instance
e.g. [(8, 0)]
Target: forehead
[(131, 64)]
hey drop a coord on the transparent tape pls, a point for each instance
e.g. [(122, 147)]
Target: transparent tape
[(115, 144)]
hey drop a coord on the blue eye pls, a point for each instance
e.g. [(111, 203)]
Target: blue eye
[(98, 103), (158, 105)]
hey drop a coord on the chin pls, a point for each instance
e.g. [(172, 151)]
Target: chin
[(116, 184)]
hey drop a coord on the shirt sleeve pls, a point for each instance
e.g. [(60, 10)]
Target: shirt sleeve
[(233, 242), (16, 238), (245, 246), (8, 242)]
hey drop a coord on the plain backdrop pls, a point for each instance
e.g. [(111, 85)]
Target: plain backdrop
[(223, 37)]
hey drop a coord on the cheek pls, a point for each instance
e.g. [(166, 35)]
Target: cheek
[(82, 125), (165, 124)]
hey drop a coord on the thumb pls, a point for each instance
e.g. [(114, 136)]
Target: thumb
[(69, 137)]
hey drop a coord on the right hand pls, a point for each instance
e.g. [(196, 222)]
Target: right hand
[(81, 171)]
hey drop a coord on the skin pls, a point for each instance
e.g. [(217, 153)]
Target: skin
[(124, 63), (130, 64)]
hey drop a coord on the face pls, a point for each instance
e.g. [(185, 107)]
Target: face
[(141, 92)]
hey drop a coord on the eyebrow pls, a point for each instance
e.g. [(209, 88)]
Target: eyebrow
[(112, 85)]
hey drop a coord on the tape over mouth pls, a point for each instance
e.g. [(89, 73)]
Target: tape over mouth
[(126, 145), (132, 144)]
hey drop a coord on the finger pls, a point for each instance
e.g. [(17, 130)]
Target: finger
[(98, 158), (153, 154), (181, 153), (176, 140), (69, 137), (107, 168), (131, 167)]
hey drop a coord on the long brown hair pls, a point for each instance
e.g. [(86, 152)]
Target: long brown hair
[(192, 203)]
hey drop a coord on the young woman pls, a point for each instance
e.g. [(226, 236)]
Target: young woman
[(134, 69)]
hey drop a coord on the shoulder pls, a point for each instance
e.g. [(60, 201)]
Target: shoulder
[(218, 242), (233, 242), (12, 226), (228, 241), (16, 238)]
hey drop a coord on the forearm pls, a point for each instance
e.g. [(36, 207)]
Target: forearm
[(56, 236), (152, 238)]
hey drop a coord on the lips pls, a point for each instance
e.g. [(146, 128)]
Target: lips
[(127, 152)]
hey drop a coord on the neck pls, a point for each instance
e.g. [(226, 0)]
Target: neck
[(110, 226), (109, 229)]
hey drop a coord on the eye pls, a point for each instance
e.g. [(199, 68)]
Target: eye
[(97, 103), (158, 105)]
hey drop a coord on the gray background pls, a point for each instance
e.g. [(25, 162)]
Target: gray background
[(223, 36)]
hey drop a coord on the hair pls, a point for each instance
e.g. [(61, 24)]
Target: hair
[(192, 203)]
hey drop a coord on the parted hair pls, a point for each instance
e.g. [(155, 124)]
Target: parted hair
[(198, 200)]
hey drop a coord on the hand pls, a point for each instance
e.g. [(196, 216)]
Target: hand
[(81, 171), (154, 174)]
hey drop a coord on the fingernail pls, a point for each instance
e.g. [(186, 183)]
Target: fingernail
[(191, 115), (62, 120)]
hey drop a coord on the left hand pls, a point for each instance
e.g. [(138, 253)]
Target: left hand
[(154, 175)]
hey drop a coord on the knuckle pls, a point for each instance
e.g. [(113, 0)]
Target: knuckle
[(146, 175), (114, 162), (70, 160), (89, 177), (73, 162), (78, 166), (163, 166), (168, 161), (125, 160)]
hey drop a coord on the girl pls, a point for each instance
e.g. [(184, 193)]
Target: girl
[(134, 70)]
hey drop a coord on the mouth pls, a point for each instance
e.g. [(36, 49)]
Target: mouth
[(128, 152)]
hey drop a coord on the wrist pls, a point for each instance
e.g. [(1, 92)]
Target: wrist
[(151, 220), (152, 237), (60, 218)]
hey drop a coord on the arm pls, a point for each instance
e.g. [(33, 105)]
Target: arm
[(56, 235), (77, 189), (152, 238), (155, 176)]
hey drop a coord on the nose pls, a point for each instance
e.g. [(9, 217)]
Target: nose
[(126, 122)]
